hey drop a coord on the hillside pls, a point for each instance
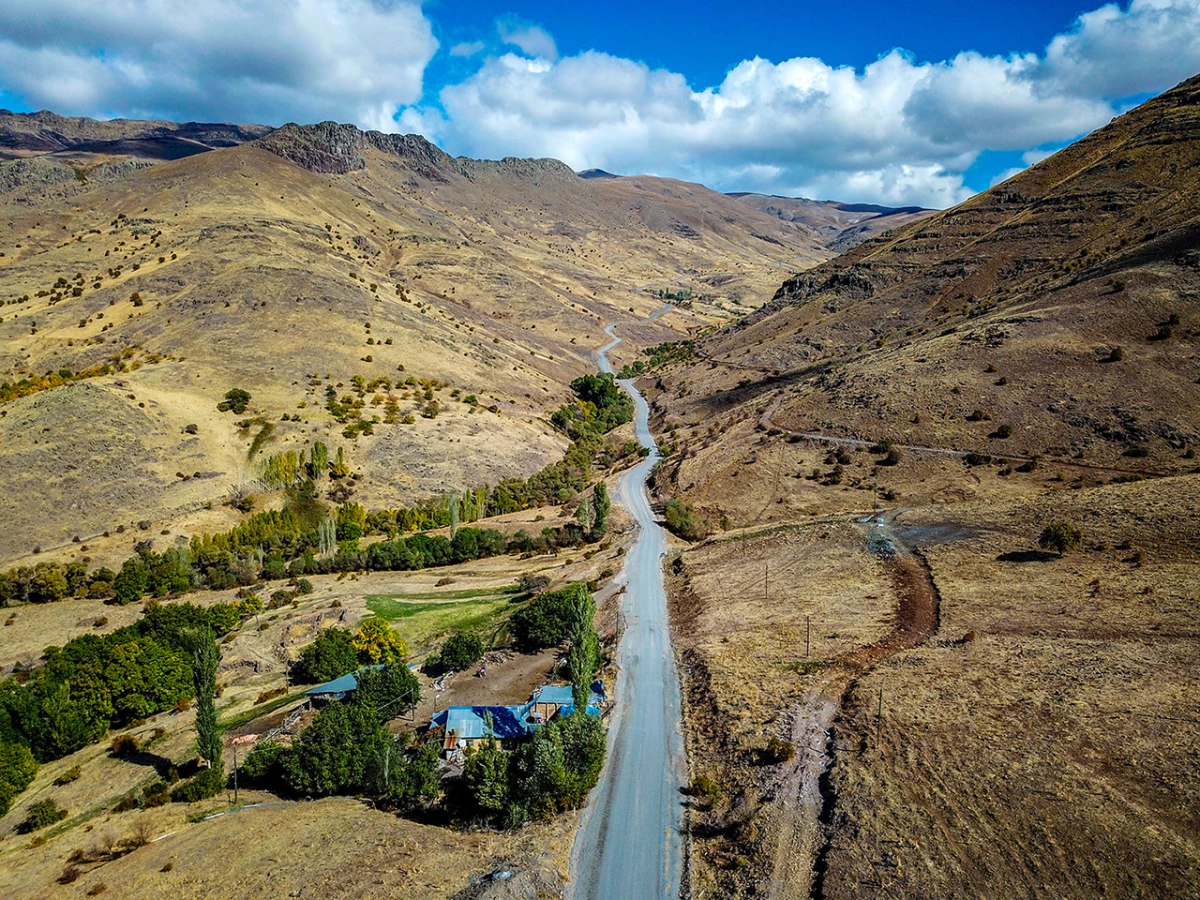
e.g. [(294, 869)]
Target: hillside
[(289, 264), (897, 681), (840, 225)]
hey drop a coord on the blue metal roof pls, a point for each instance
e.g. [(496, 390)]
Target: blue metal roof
[(339, 687), (469, 722)]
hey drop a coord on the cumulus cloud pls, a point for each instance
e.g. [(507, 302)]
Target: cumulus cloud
[(895, 131), (241, 60), (529, 38), (467, 48)]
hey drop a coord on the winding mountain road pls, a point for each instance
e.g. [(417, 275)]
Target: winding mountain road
[(629, 844)]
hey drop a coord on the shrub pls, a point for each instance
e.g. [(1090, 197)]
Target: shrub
[(706, 790), (681, 519), (1003, 432), (1116, 354), (72, 774), (777, 751), (236, 400), (70, 875), (124, 745), (1060, 536), (460, 651), (207, 784), (41, 814)]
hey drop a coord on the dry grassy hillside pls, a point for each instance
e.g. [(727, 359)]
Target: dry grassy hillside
[(840, 225), (289, 265), (874, 456)]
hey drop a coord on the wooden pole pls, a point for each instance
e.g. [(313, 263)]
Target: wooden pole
[(879, 711)]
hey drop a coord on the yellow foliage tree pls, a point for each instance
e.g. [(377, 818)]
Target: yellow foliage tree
[(377, 640)]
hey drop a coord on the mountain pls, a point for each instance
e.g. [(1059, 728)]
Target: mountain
[(1039, 284), (288, 261), (840, 225), (940, 497)]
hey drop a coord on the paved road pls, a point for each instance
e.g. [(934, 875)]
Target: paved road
[(629, 845)]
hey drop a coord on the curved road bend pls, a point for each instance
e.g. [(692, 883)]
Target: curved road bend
[(629, 844)]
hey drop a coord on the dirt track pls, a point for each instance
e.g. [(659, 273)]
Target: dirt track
[(805, 798)]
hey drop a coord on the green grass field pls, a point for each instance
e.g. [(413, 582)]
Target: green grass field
[(421, 621)]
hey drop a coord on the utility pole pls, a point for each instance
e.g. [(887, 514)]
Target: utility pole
[(879, 711), (765, 594), (807, 634), (235, 778)]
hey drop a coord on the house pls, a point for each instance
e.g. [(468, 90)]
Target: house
[(467, 726), (338, 689)]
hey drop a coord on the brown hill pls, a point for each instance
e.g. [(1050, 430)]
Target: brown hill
[(895, 686), (288, 265), (1059, 303), (840, 225)]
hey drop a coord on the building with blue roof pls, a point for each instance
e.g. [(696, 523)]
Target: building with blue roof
[(339, 688), (467, 726)]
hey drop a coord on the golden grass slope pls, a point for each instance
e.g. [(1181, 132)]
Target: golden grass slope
[(251, 270)]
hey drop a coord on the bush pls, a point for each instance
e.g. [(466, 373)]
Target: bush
[(41, 814), (460, 651), (1060, 537), (72, 774), (681, 520), (1003, 432), (706, 790), (207, 784), (124, 745), (236, 400)]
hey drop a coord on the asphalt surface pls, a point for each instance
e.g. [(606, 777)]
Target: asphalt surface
[(629, 844)]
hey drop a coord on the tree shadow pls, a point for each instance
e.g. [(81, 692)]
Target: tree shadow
[(161, 764), (1027, 556)]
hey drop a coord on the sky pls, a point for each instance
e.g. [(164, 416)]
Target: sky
[(916, 103)]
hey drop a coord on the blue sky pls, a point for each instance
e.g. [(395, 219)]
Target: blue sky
[(903, 103)]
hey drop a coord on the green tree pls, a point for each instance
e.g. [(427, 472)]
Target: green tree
[(601, 504), (201, 647), (583, 657), (17, 769), (332, 755), (460, 651), (544, 621), (318, 466), (330, 656), (416, 783), (388, 691), (485, 777), (1060, 537)]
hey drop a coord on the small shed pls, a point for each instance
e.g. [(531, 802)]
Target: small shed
[(559, 699), (338, 689)]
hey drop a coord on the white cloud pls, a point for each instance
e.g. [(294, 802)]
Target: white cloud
[(896, 131), (467, 48), (225, 60), (530, 39)]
